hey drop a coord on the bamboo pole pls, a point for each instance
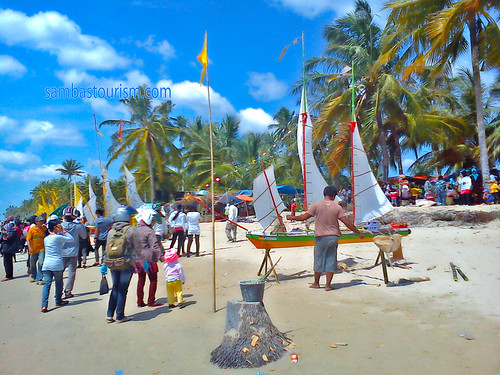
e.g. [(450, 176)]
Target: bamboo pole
[(212, 185)]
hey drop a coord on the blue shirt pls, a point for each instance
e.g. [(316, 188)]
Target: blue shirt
[(103, 224)]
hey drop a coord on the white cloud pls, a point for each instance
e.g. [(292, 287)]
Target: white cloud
[(407, 162), (7, 123), (55, 33), (265, 87), (194, 96), (18, 158), (40, 133), (255, 120), (312, 8), (43, 172), (163, 48), (11, 67)]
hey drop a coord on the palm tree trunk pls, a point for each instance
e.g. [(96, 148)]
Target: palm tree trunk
[(151, 173), (397, 148), (382, 136), (481, 132)]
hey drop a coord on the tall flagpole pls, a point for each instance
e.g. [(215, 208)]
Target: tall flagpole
[(100, 162), (211, 180)]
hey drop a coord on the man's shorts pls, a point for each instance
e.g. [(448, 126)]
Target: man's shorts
[(325, 253)]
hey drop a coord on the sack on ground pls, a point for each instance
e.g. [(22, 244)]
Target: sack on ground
[(117, 251), (103, 288)]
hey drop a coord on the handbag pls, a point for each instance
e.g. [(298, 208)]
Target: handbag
[(103, 288)]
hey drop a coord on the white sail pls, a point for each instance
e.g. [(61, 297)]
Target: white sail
[(133, 197), (315, 182), (264, 191), (370, 200), (110, 203), (90, 207)]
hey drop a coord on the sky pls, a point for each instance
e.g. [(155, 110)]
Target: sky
[(88, 47)]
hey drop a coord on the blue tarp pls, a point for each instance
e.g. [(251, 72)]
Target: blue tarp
[(246, 192), (290, 190)]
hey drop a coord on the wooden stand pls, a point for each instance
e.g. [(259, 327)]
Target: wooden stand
[(250, 338), (388, 244), (267, 258)]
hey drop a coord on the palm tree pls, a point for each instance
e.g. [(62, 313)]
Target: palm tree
[(353, 38), (70, 168), (432, 33), (147, 139)]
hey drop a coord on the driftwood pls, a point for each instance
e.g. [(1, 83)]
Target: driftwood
[(250, 338)]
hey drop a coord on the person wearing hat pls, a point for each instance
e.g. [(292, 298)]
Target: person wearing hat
[(174, 276), (121, 274), (36, 248), (231, 226), (70, 249)]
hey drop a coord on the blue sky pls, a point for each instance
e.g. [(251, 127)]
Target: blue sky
[(108, 43)]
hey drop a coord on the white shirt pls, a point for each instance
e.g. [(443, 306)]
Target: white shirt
[(180, 221), (466, 183), (233, 213), (193, 222)]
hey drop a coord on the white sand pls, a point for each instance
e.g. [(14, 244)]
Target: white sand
[(412, 329)]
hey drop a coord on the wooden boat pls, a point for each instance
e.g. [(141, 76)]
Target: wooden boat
[(369, 201)]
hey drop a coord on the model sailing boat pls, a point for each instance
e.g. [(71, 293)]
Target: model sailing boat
[(369, 201)]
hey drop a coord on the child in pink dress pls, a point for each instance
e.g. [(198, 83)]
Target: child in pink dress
[(174, 276)]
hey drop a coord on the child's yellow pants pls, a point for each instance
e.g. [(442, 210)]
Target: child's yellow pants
[(174, 288)]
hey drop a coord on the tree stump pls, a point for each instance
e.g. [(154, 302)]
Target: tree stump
[(250, 338)]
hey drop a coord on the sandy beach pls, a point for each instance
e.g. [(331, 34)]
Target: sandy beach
[(420, 328)]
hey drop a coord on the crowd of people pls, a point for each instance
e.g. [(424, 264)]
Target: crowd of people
[(463, 188), (126, 243)]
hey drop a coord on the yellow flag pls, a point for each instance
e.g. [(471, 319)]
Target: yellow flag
[(203, 58), (39, 211), (45, 206)]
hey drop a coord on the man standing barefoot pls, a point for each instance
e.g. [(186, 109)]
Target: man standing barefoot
[(326, 233)]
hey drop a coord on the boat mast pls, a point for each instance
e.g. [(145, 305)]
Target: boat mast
[(303, 113), (352, 127)]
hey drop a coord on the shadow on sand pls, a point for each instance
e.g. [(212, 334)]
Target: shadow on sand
[(354, 282)]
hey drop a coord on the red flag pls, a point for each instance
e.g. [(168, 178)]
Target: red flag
[(352, 125), (120, 131)]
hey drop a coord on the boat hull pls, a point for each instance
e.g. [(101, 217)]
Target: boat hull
[(283, 240)]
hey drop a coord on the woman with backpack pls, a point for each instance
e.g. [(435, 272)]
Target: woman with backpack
[(120, 257)]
